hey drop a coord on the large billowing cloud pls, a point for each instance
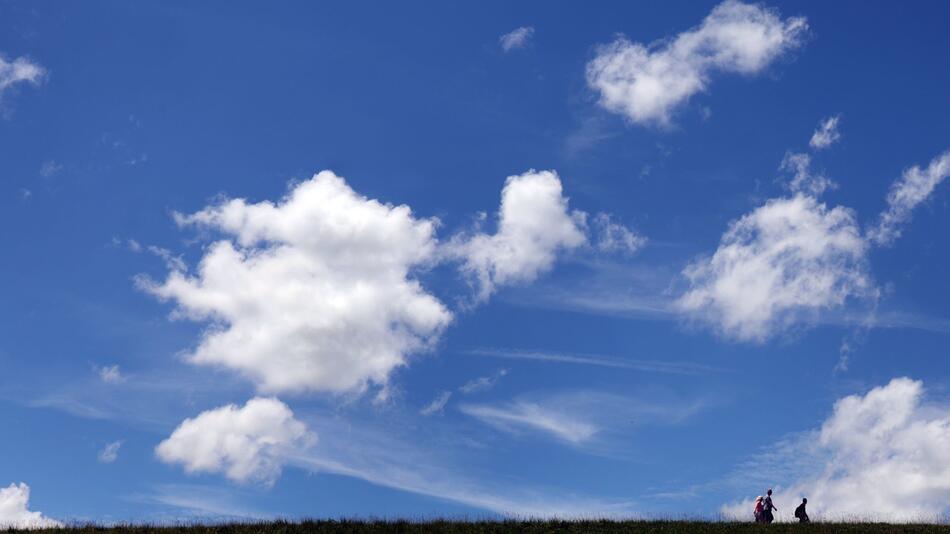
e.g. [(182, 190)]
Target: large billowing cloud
[(882, 456), (314, 293), (247, 444), (911, 189), (317, 293), (534, 224), (646, 83), (20, 70), (784, 261), (15, 512)]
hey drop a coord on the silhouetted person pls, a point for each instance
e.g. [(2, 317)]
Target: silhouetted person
[(759, 510), (800, 512), (769, 507)]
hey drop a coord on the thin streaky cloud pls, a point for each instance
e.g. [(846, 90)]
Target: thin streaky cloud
[(533, 416), (437, 404), (483, 383), (423, 465), (652, 366)]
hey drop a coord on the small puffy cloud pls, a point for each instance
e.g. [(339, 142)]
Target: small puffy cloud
[(247, 444), (646, 83), (437, 404), (881, 456), (804, 180), (111, 374), (517, 38), (826, 134), (534, 224), (914, 187), (15, 512), (614, 237), (50, 168), (110, 452), (313, 293), (20, 70), (789, 258), (483, 383)]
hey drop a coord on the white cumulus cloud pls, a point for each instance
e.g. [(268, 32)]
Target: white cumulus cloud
[(15, 512), (313, 293), (534, 224), (881, 456), (787, 259), (250, 443), (914, 187), (826, 134), (517, 38), (646, 83)]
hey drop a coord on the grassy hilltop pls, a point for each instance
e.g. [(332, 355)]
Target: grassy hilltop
[(490, 527)]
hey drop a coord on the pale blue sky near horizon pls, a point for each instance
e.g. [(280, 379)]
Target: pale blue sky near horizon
[(599, 396)]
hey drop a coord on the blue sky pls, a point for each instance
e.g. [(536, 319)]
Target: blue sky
[(620, 260)]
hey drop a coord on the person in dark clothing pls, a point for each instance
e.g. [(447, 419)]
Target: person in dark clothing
[(769, 507), (800, 512)]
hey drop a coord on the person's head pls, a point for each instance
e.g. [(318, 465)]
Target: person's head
[(804, 500), (769, 493), (758, 499)]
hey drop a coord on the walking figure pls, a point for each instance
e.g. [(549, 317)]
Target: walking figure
[(767, 504), (800, 512)]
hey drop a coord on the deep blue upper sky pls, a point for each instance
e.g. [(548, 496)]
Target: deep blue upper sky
[(152, 108)]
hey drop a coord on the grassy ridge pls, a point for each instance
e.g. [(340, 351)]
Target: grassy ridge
[(492, 527)]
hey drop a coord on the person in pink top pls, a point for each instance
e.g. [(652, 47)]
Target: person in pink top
[(759, 510)]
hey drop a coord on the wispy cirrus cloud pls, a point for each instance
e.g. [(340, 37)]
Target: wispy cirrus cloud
[(913, 188), (437, 404), (482, 383), (586, 419), (522, 415), (633, 364), (388, 456)]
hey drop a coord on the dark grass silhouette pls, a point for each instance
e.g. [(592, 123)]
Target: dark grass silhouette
[(486, 527)]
